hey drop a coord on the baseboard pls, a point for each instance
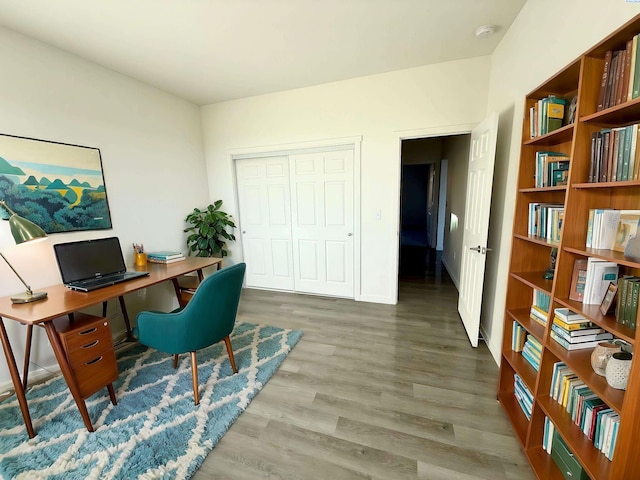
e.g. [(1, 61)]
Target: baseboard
[(494, 349), (449, 270)]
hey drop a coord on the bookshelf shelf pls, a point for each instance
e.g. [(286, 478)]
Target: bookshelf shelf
[(594, 462), (561, 135), (530, 256), (560, 188)]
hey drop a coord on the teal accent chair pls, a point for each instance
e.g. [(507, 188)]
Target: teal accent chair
[(208, 318)]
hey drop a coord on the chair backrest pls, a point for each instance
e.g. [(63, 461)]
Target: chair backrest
[(211, 313)]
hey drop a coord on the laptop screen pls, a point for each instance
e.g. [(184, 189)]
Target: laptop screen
[(89, 259)]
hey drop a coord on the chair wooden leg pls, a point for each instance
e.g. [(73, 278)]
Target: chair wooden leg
[(194, 377), (175, 361), (227, 342)]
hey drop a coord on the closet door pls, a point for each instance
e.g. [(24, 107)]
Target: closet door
[(265, 220), (322, 222)]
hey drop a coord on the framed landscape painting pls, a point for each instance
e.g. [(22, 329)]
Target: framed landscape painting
[(57, 186)]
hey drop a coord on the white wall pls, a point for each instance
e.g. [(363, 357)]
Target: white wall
[(152, 157), (546, 36), (438, 99), (456, 150)]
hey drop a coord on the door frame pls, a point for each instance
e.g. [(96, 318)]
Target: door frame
[(443, 131), (311, 146)]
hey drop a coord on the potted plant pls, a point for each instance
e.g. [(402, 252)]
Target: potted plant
[(209, 231)]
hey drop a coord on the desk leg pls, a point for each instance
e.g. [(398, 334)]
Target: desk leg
[(176, 287), (15, 378), (125, 315), (67, 373), (27, 357)]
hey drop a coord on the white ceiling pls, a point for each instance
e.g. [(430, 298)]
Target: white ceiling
[(208, 51)]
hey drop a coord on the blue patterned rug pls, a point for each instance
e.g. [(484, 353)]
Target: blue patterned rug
[(155, 431)]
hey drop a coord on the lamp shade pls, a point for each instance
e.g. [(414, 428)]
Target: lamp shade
[(24, 230)]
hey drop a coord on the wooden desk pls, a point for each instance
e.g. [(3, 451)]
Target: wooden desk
[(63, 301)]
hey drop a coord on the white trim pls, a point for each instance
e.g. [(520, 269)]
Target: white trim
[(454, 279), (341, 143), (442, 131)]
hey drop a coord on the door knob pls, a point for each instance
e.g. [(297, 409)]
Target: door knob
[(349, 234), (476, 249), (244, 231), (485, 250)]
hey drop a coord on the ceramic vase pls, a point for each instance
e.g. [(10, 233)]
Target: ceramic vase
[(617, 370), (601, 355)]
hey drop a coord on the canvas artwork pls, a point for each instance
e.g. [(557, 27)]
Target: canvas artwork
[(59, 187)]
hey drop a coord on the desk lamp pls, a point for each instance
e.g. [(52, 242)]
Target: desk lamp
[(23, 231)]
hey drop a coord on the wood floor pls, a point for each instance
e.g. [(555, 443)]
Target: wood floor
[(372, 392)]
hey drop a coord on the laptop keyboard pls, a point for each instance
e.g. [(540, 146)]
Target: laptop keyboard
[(100, 281)]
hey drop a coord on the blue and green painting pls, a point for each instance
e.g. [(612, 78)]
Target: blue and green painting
[(57, 186)]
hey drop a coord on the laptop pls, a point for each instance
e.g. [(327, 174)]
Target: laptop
[(91, 264)]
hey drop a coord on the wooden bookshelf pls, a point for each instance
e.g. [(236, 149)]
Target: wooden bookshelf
[(531, 256)]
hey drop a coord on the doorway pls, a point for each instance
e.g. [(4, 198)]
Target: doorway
[(432, 199)]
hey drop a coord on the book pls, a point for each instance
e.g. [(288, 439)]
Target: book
[(573, 346), (578, 280), (165, 255), (167, 261), (604, 80), (554, 113), (573, 326), (599, 274), (569, 316), (632, 68), (580, 338)]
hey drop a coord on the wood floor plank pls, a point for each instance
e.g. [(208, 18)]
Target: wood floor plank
[(371, 391)]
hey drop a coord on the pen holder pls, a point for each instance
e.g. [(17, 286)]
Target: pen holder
[(140, 259)]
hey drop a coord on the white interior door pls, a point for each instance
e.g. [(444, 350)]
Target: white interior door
[(265, 221), (322, 222), (476, 224)]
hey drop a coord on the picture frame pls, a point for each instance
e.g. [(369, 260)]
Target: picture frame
[(578, 280), (608, 302), (627, 228), (58, 186)]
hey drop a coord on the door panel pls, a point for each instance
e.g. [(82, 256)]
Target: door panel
[(322, 226), (476, 224), (265, 217)]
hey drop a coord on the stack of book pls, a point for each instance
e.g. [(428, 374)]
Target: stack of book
[(165, 257), (574, 332), (532, 352), (540, 307), (547, 436), (546, 115), (620, 80), (523, 395), (545, 220), (596, 420), (552, 169), (600, 274), (614, 154), (627, 301)]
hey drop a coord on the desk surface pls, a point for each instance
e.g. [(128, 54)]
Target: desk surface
[(61, 300)]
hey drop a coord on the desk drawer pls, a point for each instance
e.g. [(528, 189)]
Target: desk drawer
[(87, 334), (96, 373)]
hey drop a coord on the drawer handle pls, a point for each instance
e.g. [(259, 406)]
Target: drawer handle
[(94, 361), (92, 344), (86, 332)]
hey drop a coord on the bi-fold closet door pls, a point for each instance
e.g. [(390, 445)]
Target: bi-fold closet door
[(296, 218)]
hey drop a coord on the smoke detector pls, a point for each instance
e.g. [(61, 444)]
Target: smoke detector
[(485, 31)]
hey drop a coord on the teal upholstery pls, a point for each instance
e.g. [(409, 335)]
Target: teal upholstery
[(208, 318)]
